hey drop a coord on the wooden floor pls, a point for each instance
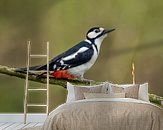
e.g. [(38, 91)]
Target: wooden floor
[(17, 126), (12, 121)]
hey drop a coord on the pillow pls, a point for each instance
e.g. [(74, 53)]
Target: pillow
[(143, 92), (77, 92), (131, 91), (103, 95)]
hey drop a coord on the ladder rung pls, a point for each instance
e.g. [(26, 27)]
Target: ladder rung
[(36, 105), (37, 89), (38, 56)]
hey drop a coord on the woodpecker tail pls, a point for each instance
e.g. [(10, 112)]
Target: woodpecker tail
[(24, 70)]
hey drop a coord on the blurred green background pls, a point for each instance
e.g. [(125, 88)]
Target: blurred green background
[(138, 38)]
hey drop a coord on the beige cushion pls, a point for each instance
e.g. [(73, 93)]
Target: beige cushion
[(77, 92), (131, 91), (103, 95)]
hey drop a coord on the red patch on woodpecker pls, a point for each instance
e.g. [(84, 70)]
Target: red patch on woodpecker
[(62, 74)]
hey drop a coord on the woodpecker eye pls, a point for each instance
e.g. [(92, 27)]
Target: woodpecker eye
[(97, 30)]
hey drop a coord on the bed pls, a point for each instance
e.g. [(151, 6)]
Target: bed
[(103, 113)]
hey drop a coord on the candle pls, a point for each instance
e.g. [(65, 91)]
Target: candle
[(133, 73)]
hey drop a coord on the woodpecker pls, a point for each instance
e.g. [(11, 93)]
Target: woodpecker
[(74, 62)]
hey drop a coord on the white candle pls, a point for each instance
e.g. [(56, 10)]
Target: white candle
[(133, 73)]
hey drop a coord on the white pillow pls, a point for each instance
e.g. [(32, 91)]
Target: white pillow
[(71, 96), (143, 90)]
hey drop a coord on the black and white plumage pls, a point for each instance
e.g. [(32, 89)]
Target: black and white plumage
[(74, 62)]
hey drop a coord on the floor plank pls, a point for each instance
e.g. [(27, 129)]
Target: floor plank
[(1, 124), (39, 124), (13, 126), (30, 125), (14, 121), (17, 126), (21, 126), (5, 126)]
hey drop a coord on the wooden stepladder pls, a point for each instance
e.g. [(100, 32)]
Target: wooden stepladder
[(28, 89)]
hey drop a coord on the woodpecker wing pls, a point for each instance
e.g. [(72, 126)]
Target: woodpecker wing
[(77, 55), (80, 57)]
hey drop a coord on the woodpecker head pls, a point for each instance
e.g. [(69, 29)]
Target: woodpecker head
[(97, 33)]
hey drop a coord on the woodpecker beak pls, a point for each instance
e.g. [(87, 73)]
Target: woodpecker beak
[(108, 31)]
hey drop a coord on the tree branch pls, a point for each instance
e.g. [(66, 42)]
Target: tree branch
[(11, 72), (61, 82)]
